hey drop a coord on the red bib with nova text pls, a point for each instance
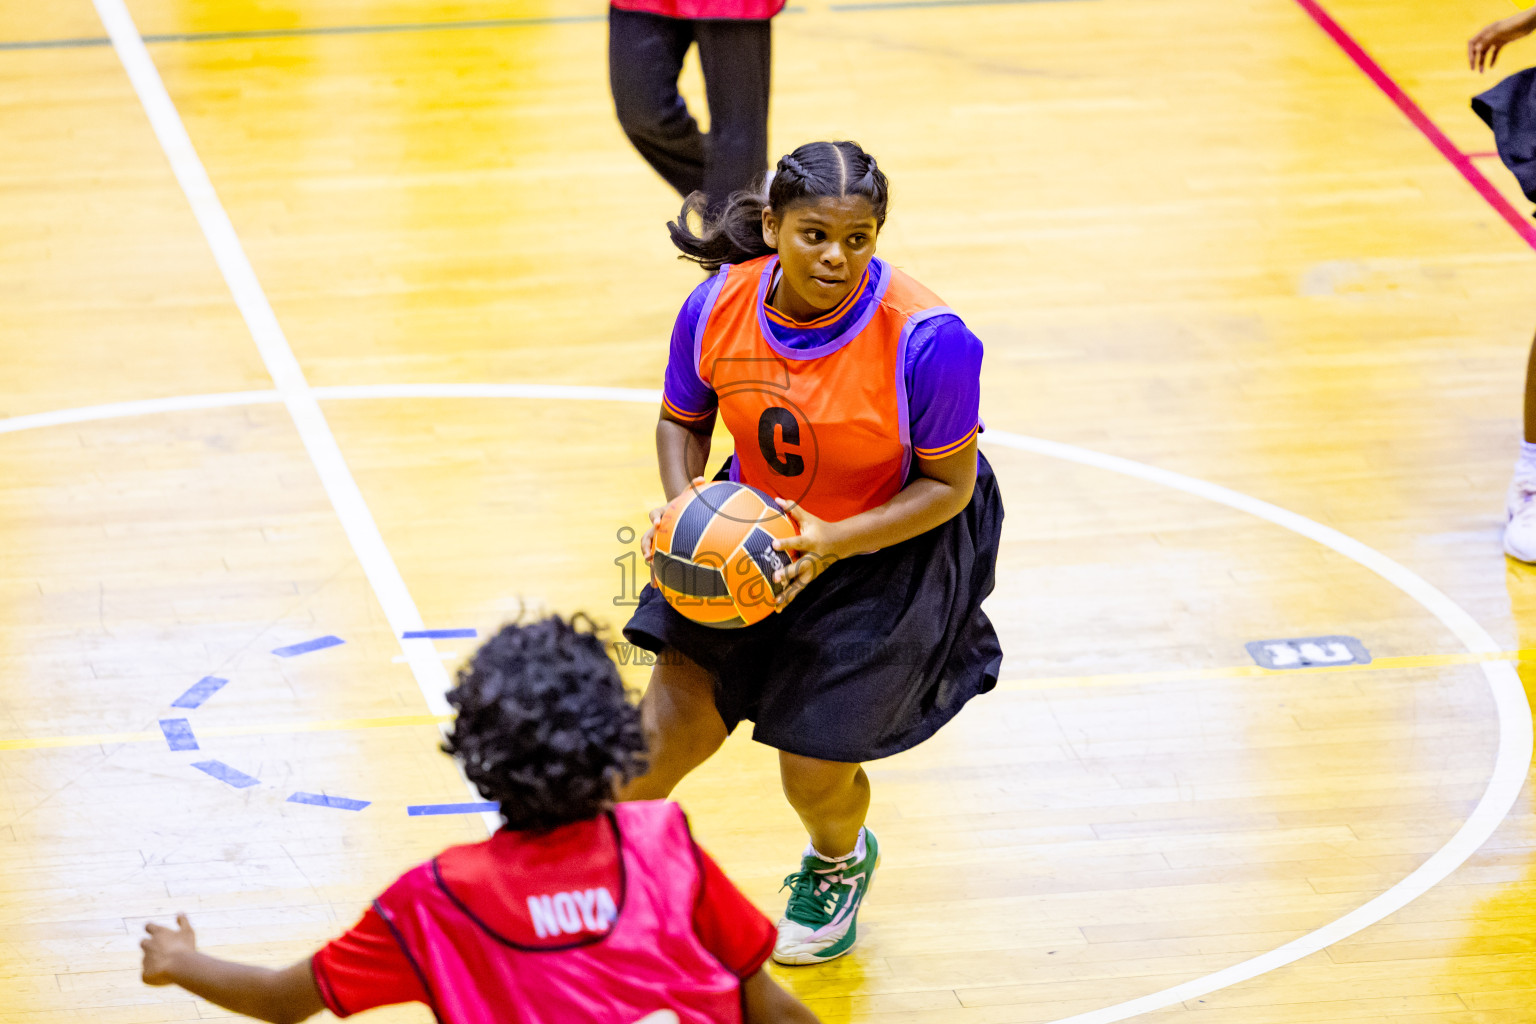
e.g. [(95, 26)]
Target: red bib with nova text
[(649, 962)]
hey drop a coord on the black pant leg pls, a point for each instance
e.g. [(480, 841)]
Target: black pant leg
[(645, 56), (736, 58)]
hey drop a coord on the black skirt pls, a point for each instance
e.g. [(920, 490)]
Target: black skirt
[(872, 657)]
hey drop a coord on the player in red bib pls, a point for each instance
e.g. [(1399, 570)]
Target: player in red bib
[(577, 910), (851, 393)]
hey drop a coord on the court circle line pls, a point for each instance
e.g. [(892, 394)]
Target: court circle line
[(1511, 765)]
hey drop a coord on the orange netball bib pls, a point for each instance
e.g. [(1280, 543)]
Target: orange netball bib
[(825, 427)]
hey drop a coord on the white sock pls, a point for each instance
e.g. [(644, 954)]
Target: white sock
[(856, 854), (1525, 465)]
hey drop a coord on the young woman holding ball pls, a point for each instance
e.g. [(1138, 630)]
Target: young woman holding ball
[(851, 393)]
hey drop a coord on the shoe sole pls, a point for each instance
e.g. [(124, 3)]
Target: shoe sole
[(849, 939), (1525, 558), (1517, 556), (804, 959)]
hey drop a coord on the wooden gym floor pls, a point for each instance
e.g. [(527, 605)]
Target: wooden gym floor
[(1192, 233)]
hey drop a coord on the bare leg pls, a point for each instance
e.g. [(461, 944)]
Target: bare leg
[(682, 726), (831, 797), (1530, 395), (1520, 529)]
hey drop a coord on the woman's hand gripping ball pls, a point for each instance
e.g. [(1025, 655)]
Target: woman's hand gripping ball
[(817, 545), (648, 541)]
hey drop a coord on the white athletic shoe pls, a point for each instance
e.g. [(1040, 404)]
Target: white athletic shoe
[(822, 920), (1520, 519)]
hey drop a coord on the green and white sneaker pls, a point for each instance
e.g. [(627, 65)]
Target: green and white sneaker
[(821, 921)]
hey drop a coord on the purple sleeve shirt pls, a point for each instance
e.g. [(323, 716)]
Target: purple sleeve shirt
[(943, 377), (685, 395), (943, 386)]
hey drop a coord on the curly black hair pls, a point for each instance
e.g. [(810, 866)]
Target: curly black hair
[(544, 726)]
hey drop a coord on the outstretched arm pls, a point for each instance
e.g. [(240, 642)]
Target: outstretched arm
[(1484, 48), (284, 996)]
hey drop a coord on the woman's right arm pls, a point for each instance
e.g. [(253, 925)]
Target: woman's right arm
[(682, 451), (683, 434)]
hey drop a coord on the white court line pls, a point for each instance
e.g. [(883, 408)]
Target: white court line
[(1510, 767), (1514, 714), (556, 392), (144, 407), (356, 520), (228, 399), (399, 659)]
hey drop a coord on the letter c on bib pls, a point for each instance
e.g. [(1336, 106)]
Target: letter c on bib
[(778, 420)]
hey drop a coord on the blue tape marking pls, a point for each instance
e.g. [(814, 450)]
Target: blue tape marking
[(178, 733), (319, 643), (474, 808), (341, 803), (224, 773), (201, 690), (438, 634)]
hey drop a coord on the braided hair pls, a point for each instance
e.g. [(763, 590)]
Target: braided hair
[(816, 169)]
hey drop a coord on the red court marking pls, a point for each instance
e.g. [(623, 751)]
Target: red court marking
[(1461, 161)]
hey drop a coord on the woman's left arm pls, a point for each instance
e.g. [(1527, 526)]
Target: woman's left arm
[(945, 396), (941, 490)]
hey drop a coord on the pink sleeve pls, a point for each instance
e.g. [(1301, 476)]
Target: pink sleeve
[(727, 923), (366, 968)]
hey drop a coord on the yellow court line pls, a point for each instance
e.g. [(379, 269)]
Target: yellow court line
[(332, 725), (78, 741), (1043, 683)]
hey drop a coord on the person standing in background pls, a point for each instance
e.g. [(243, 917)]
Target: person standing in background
[(1510, 109), (647, 40)]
